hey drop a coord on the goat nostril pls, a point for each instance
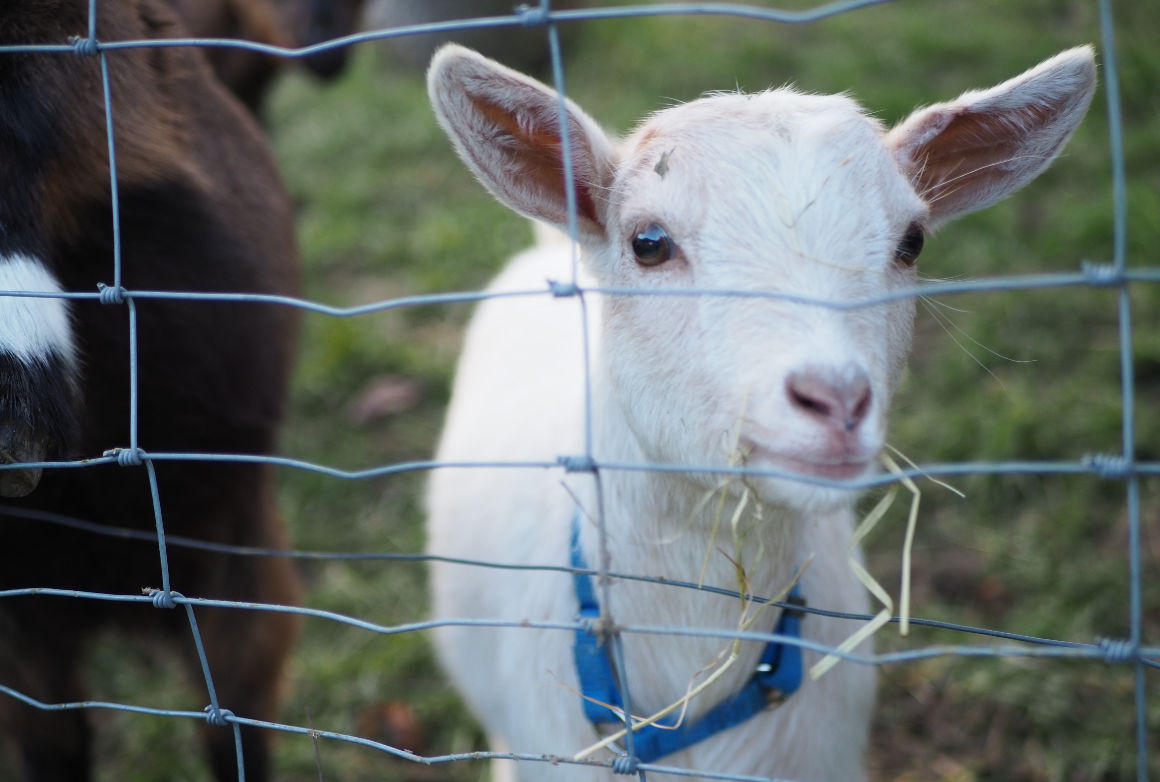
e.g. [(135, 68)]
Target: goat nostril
[(810, 403), (834, 398), (861, 395)]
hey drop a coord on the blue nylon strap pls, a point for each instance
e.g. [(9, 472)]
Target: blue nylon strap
[(597, 681), (778, 675), (781, 664)]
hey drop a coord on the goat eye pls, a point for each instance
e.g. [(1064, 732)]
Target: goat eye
[(652, 246), (911, 245)]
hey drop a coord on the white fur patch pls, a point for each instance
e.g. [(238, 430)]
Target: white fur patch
[(30, 327)]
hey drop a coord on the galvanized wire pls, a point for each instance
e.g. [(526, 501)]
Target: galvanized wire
[(1120, 467)]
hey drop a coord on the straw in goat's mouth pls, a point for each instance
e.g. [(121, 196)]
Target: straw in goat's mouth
[(863, 529)]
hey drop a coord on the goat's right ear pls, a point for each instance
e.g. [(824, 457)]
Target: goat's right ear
[(506, 128), (971, 152)]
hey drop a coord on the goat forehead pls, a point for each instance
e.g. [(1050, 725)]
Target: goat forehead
[(769, 155), (739, 125)]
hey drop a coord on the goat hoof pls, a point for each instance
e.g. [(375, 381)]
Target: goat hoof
[(20, 481)]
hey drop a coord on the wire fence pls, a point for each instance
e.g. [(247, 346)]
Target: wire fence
[(1131, 652)]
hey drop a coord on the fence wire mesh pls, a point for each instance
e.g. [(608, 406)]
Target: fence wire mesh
[(1123, 467)]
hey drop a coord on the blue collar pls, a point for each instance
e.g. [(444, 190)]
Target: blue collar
[(778, 675)]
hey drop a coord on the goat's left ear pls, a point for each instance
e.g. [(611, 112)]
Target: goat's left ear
[(971, 152)]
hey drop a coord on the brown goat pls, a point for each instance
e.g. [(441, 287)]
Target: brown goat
[(286, 23), (202, 207)]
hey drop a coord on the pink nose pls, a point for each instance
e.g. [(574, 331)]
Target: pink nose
[(836, 398)]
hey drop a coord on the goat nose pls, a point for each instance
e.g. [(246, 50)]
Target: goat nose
[(836, 398)]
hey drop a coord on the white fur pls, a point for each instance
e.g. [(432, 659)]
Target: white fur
[(32, 327), (779, 191)]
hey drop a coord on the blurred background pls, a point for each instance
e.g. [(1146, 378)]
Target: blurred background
[(386, 210)]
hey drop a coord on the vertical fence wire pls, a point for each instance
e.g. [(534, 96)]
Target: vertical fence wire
[(1127, 379), (1125, 467), (134, 456)]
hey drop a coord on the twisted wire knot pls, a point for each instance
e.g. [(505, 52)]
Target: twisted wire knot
[(1101, 274), (1108, 465), (164, 598), (532, 15), (85, 47), (111, 294), (1116, 650), (597, 626), (562, 290), (219, 718), (127, 457), (626, 764), (577, 463)]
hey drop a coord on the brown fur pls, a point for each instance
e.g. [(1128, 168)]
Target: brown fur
[(202, 208), (285, 23)]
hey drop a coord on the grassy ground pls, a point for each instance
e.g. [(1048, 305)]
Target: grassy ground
[(386, 210)]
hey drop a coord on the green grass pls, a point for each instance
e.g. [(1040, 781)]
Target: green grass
[(386, 210)]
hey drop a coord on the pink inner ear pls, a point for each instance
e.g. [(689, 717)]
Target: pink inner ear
[(979, 148), (537, 150)]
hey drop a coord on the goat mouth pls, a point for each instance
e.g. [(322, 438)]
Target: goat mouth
[(844, 468)]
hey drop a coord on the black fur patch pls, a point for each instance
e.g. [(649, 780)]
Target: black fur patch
[(37, 407)]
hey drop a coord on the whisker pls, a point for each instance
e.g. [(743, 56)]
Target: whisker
[(992, 351), (943, 321), (974, 171)]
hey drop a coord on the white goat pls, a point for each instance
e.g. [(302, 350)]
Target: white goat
[(802, 195)]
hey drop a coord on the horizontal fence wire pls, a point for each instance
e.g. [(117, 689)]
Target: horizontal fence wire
[(1122, 467)]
